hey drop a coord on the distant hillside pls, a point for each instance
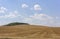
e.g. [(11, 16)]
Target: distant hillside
[(16, 23)]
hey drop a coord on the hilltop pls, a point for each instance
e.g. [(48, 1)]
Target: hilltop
[(16, 23)]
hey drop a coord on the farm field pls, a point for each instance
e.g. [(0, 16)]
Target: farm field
[(29, 32)]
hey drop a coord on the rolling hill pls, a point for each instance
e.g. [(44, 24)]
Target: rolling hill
[(29, 32)]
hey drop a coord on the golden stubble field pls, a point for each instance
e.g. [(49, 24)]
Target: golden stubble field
[(29, 32)]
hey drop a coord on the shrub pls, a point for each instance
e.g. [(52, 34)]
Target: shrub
[(16, 23)]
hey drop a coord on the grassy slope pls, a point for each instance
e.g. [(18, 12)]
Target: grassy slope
[(29, 32)]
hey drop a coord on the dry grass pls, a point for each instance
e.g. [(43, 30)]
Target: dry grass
[(29, 32)]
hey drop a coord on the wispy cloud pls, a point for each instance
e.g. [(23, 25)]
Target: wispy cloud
[(11, 15), (24, 6), (3, 9), (41, 19)]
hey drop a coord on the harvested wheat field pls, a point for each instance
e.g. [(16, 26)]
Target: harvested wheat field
[(29, 32)]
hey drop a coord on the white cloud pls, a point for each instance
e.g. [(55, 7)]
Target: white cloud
[(3, 9), (40, 19), (24, 5), (10, 15), (41, 16), (37, 7)]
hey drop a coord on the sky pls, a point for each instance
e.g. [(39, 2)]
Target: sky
[(35, 12)]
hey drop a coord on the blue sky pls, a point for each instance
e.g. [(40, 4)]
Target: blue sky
[(37, 12)]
